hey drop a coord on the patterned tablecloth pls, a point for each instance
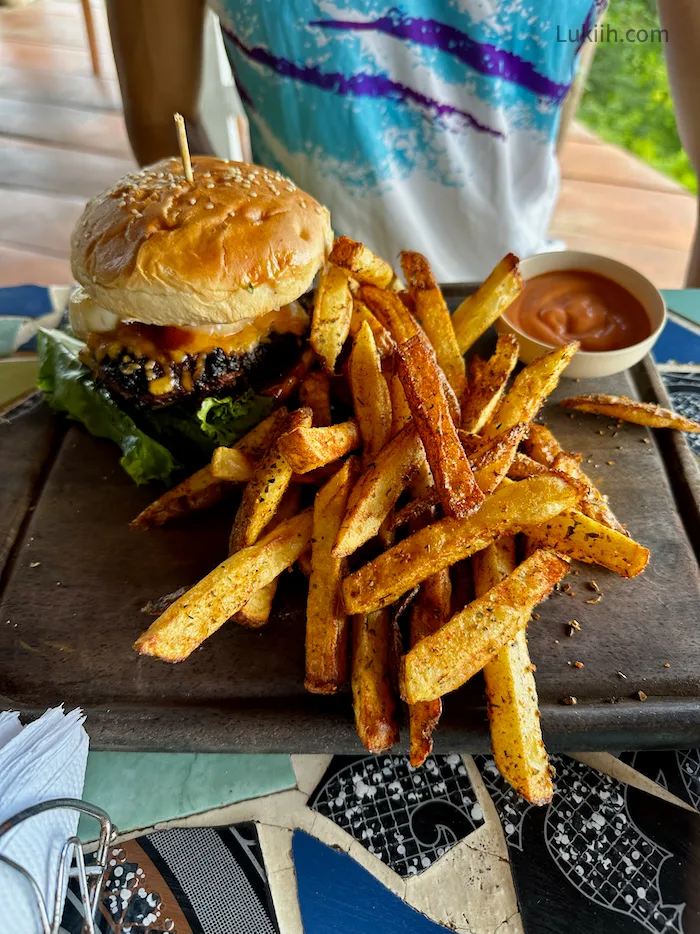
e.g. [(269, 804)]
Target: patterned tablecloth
[(348, 845)]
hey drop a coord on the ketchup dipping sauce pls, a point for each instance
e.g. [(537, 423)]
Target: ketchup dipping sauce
[(565, 305)]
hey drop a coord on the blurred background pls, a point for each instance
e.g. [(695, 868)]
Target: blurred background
[(627, 187)]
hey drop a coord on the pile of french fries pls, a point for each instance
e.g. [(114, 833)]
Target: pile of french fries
[(428, 510)]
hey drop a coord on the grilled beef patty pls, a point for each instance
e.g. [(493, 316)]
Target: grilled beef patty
[(198, 375)]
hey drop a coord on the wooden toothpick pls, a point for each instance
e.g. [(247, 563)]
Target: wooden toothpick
[(184, 148)]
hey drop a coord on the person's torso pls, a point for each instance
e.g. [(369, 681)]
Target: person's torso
[(428, 124)]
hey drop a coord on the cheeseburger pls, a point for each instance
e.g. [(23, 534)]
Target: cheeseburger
[(189, 291)]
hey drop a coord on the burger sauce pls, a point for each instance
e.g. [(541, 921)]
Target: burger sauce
[(567, 305)]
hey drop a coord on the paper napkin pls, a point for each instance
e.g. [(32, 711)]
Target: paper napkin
[(44, 760)]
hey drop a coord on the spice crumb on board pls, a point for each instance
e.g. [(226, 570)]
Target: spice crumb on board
[(641, 695), (574, 626), (578, 664), (570, 700), (645, 441), (621, 675), (610, 463), (34, 564), (666, 665), (594, 586)]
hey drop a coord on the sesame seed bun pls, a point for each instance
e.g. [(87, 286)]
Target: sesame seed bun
[(238, 243)]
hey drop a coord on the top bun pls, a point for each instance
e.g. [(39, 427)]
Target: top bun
[(238, 243)]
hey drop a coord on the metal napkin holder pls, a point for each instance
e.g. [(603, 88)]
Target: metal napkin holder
[(72, 864)]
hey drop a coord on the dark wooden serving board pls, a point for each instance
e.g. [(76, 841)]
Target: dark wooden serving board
[(67, 624)]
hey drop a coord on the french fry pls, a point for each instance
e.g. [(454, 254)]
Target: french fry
[(446, 660), (491, 463), (479, 311), (370, 394), (514, 719), (629, 410), (524, 467), (435, 317), (326, 620), (361, 262), (400, 412), (430, 611), (541, 445), (578, 536), (375, 493), (199, 491), (382, 338), (372, 696), (315, 394), (452, 474), (263, 493), (230, 464), (304, 563), (512, 508), (203, 489), (487, 384), (595, 504), (330, 323), (530, 388), (391, 312), (256, 612), (307, 449), (222, 593), (291, 381)]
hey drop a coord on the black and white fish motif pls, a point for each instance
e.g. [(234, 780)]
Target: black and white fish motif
[(406, 817), (684, 391)]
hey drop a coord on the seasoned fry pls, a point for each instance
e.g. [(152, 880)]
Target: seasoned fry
[(265, 490), (391, 312), (304, 563), (382, 338), (629, 410), (453, 476), (330, 323), (541, 445), (430, 611), (487, 384), (203, 489), (370, 394), (257, 610), (376, 492), (458, 650), (372, 695), (479, 311), (595, 504), (516, 735), (223, 592), (199, 491), (578, 536), (361, 262), (230, 464), (326, 620), (315, 394), (524, 467), (492, 462), (435, 317), (306, 449), (530, 388), (512, 508), (400, 412)]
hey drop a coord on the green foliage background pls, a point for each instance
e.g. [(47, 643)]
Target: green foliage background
[(628, 100)]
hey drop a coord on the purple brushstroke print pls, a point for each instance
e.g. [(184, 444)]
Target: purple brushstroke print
[(378, 86), (481, 56)]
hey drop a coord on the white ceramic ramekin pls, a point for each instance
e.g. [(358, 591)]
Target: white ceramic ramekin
[(587, 365)]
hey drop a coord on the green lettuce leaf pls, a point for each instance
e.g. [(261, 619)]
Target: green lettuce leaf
[(155, 444), (69, 388), (226, 420)]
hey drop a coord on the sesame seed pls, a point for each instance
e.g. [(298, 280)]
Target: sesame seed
[(209, 206), (193, 200), (211, 185)]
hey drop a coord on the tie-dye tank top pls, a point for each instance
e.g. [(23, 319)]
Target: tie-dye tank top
[(427, 125)]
